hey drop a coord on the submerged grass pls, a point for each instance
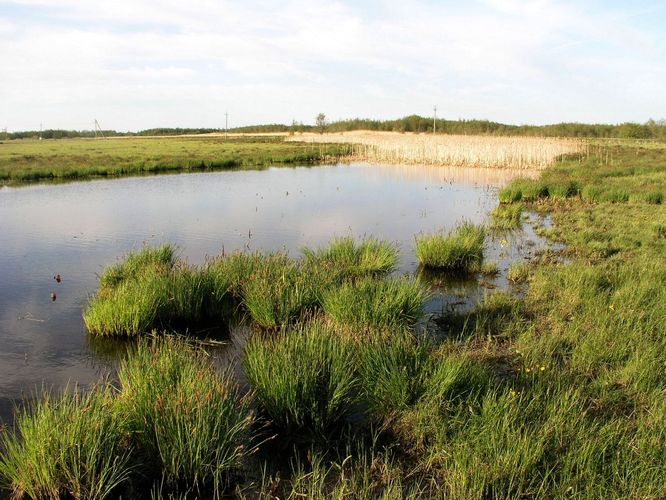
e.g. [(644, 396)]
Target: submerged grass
[(506, 216), (460, 250)]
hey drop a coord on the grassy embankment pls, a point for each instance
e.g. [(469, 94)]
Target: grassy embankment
[(61, 159), (556, 395)]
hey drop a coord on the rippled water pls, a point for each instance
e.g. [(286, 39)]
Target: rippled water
[(77, 229)]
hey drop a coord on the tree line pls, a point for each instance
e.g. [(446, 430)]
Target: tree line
[(414, 123)]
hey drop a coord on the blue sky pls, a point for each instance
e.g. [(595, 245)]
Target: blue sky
[(135, 64)]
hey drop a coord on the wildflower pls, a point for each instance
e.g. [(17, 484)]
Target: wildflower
[(527, 370), (542, 368), (611, 307)]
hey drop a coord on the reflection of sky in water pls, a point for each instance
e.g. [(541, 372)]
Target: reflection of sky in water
[(78, 229)]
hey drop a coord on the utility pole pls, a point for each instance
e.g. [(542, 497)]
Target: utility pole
[(97, 128), (226, 124), (434, 121)]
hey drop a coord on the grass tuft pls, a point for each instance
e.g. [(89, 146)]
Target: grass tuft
[(188, 424), (376, 303), (304, 380), (66, 446), (351, 259), (460, 250)]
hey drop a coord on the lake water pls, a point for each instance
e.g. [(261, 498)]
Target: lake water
[(78, 229)]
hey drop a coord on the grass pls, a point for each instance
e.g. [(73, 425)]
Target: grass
[(352, 259), (506, 216), (188, 423), (174, 422), (518, 272), (144, 293), (376, 303), (459, 250), (304, 379), (557, 393), (278, 292), (66, 445), (68, 159)]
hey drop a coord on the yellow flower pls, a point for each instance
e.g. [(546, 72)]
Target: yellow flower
[(542, 368), (527, 370), (611, 307)]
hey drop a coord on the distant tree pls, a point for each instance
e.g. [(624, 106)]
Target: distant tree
[(321, 123)]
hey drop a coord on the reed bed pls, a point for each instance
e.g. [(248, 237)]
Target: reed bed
[(454, 150)]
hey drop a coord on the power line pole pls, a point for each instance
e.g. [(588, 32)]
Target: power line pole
[(434, 121), (97, 128)]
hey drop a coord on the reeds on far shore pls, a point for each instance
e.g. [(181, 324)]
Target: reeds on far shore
[(453, 150)]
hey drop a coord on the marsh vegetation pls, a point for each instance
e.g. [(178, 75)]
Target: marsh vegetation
[(556, 393)]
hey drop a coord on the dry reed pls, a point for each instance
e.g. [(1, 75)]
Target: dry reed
[(452, 150)]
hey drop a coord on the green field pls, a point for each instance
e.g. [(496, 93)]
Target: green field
[(31, 160), (558, 393)]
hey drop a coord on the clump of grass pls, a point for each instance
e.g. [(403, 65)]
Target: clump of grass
[(507, 216), (615, 195), (393, 372), (460, 250), (518, 272), (130, 308), (650, 197), (562, 190), (162, 257), (352, 259), (522, 190), (188, 424), (304, 380), (66, 446), (153, 298), (376, 303), (230, 272), (279, 292), (592, 193), (489, 268)]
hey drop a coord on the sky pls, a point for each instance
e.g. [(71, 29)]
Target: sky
[(137, 64)]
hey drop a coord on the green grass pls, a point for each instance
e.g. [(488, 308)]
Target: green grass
[(352, 259), (189, 425), (304, 379), (506, 216), (518, 272), (376, 303), (157, 258), (459, 250), (69, 159), (66, 446), (278, 292)]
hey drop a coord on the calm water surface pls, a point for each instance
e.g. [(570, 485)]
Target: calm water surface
[(78, 229)]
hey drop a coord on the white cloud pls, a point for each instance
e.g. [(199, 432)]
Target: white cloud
[(139, 63)]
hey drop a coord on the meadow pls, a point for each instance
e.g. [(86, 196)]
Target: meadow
[(557, 392), (32, 160)]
